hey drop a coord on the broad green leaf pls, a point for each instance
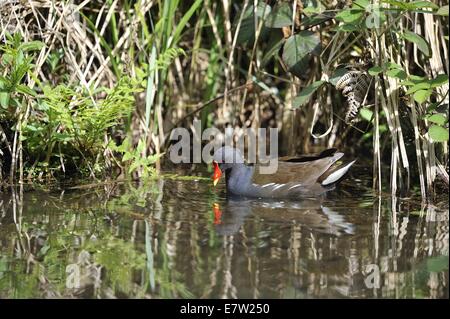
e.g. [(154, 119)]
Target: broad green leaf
[(439, 119), (297, 50), (422, 95), (31, 127), (441, 79), (421, 4), (19, 58), (393, 65), (421, 43), (316, 19), (366, 114), (247, 30), (397, 73), (418, 86), (4, 99), (62, 137), (443, 11), (411, 6), (413, 80), (438, 133), (398, 4), (338, 73), (306, 94), (361, 4), (375, 70), (350, 16), (280, 16), (416, 78), (311, 7)]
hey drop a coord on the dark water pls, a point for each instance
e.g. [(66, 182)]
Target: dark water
[(179, 238)]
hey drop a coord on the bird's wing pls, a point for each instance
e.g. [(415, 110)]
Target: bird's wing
[(303, 170)]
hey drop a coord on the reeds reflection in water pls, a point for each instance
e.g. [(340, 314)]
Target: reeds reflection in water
[(174, 238)]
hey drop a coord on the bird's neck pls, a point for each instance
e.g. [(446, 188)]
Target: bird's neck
[(239, 177)]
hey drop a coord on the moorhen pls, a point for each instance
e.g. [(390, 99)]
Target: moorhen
[(306, 176)]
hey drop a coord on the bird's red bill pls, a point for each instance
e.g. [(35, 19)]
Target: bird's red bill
[(217, 173)]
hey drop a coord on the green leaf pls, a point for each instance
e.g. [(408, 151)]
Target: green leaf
[(127, 156), (19, 58), (421, 4), (281, 16), (397, 73), (439, 119), (271, 52), (422, 95), (375, 70), (338, 73), (247, 30), (413, 80), (411, 6), (366, 114), (438, 133), (398, 4), (361, 4), (184, 20), (350, 16), (4, 99), (421, 43), (441, 79), (443, 11), (317, 18), (133, 167), (393, 65), (4, 83), (25, 90), (297, 50), (348, 28), (418, 86), (306, 94), (31, 46)]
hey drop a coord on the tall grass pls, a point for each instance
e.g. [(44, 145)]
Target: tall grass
[(256, 63)]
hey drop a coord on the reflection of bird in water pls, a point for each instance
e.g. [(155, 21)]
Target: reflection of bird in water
[(308, 212)]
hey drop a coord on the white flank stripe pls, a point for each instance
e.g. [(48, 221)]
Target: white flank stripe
[(296, 185), (278, 186), (270, 184)]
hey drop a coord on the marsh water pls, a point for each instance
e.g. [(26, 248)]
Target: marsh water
[(177, 237)]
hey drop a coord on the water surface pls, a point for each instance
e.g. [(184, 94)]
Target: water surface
[(179, 238)]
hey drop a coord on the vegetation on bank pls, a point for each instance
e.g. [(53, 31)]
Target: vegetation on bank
[(93, 89)]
